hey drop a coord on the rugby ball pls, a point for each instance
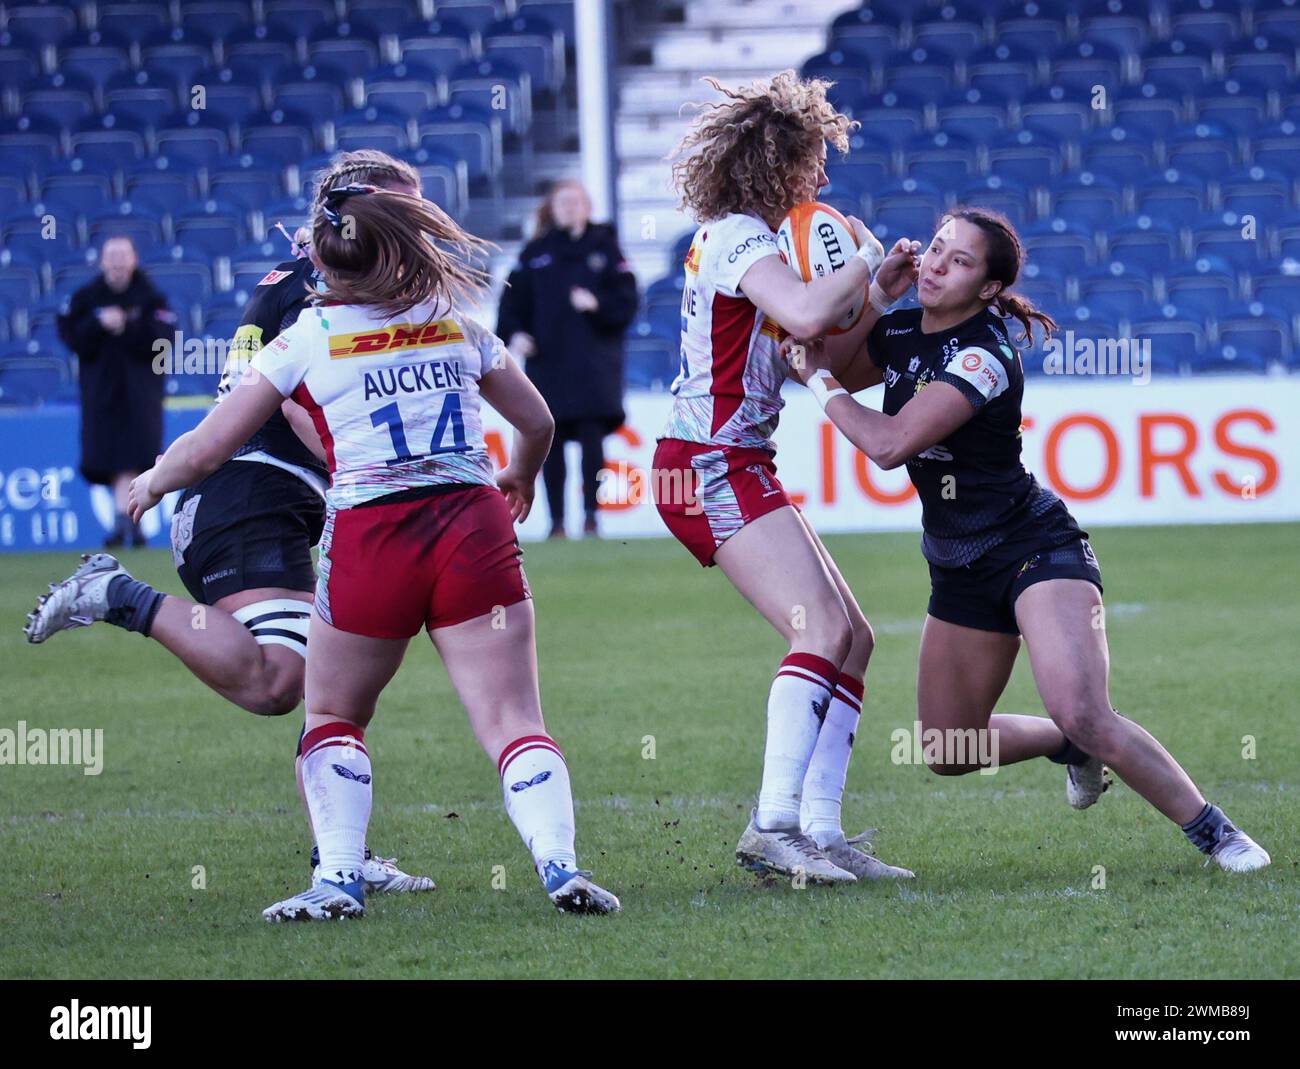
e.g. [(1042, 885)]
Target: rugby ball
[(815, 240)]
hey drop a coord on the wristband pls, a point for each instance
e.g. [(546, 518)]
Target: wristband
[(880, 300), (873, 256), (820, 390)]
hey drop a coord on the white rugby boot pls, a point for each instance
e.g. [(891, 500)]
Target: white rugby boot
[(77, 601), (1085, 783), (383, 877), (851, 856), (573, 892), (786, 852), (1238, 852), (325, 901)]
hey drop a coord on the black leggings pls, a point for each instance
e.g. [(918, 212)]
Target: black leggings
[(590, 435)]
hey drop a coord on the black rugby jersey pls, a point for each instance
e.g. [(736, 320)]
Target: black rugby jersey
[(975, 492), (274, 305)]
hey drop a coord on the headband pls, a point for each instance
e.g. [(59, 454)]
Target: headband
[(334, 198)]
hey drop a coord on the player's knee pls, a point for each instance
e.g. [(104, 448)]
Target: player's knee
[(1084, 720), (830, 632), (860, 649)]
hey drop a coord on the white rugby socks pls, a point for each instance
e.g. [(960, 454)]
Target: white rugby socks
[(539, 799), (796, 707), (336, 778)]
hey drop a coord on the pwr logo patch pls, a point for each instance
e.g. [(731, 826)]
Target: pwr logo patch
[(398, 336)]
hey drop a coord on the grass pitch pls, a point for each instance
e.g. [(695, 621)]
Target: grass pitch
[(159, 866)]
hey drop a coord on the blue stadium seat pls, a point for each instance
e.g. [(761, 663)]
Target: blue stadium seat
[(1145, 243), (194, 136), (246, 181), (1256, 191), (310, 90), (906, 209), (1277, 146), (949, 32), (1288, 236), (1027, 157), (1117, 153), (230, 95), (1202, 149), (489, 83), (441, 44), (471, 133), (476, 14), (372, 127), (18, 59), (1265, 60), (35, 238), (1277, 283), (292, 212), (142, 97), (1082, 65), (72, 271), (1236, 104), (177, 54), (73, 190), (1060, 244), (346, 47), (662, 293), (1090, 200), (1210, 22), (848, 69), (444, 179), (1057, 111), (1175, 197), (181, 273), (382, 17), (1221, 235), (20, 284), (95, 55), (64, 99), (1255, 327), (406, 89), (1202, 287), (14, 192), (865, 169), (212, 228), (1146, 110), (1027, 27), (532, 46), (1044, 285), (926, 73), (1279, 21), (44, 24), (31, 381), (254, 50), (940, 158), (32, 141), (1118, 24), (892, 117), (280, 136), (1177, 338), (1229, 358), (301, 18), (681, 247), (1002, 195), (652, 358), (559, 13), (133, 22), (1178, 65), (220, 18), (874, 40), (1116, 291), (979, 114), (162, 185)]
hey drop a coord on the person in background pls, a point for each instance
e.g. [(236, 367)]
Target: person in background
[(565, 310), (111, 324)]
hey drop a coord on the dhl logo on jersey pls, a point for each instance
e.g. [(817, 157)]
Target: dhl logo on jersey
[(693, 258), (397, 336)]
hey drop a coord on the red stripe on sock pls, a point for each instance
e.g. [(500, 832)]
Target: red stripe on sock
[(818, 666), (522, 745), (807, 677), (854, 687), (337, 733)]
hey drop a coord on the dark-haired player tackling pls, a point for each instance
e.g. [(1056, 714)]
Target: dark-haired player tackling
[(241, 541), (1006, 557)]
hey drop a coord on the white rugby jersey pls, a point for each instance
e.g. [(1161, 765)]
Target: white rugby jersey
[(728, 391), (395, 400)]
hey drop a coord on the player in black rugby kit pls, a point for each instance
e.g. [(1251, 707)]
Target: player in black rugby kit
[(241, 539), (1006, 557)]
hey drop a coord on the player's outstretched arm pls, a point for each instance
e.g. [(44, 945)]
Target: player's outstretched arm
[(507, 389), (198, 453)]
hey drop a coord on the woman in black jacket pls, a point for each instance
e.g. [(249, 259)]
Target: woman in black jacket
[(111, 324), (567, 306)]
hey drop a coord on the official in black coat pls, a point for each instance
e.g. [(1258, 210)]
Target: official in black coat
[(112, 324), (566, 309)]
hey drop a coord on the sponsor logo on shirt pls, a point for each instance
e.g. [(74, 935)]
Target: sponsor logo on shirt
[(891, 331), (892, 376), (749, 244), (693, 258), (397, 336), (914, 365), (272, 277)]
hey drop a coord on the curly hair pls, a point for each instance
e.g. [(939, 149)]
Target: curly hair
[(753, 151)]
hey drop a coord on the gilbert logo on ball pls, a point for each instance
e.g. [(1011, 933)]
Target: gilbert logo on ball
[(816, 240)]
